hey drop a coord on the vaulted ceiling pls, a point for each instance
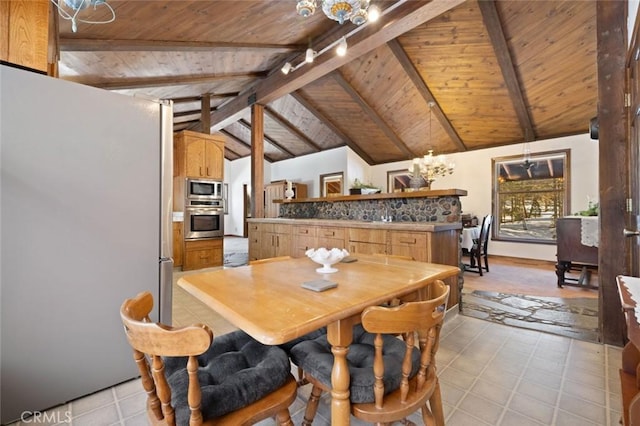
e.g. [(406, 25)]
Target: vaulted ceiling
[(496, 72)]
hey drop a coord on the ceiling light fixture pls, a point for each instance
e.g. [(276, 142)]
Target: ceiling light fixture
[(73, 7), (341, 50), (357, 11), (286, 68), (309, 55), (306, 8), (426, 169)]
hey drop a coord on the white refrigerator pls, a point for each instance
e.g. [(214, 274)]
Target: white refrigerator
[(85, 222)]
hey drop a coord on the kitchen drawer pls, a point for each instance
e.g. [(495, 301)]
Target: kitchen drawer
[(276, 228), (331, 233), (418, 239), (377, 236), (202, 254), (305, 231)]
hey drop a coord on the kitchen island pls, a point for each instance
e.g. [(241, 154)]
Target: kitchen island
[(422, 225), (423, 241)]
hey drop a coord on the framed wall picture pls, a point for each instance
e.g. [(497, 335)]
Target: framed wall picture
[(331, 184), (397, 180)]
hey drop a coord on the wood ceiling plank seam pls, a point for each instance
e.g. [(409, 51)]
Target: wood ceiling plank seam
[(334, 128), (269, 140), (372, 114), (493, 25), (425, 92), (282, 121)]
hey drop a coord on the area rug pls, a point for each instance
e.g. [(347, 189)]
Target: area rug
[(233, 260), (571, 317)]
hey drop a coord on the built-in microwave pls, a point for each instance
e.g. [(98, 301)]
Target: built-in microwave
[(202, 223), (203, 189)]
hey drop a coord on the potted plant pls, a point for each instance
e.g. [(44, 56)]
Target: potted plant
[(363, 188)]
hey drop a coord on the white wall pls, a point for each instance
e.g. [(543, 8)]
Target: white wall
[(472, 173)]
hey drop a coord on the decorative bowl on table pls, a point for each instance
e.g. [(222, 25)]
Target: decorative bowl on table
[(326, 258)]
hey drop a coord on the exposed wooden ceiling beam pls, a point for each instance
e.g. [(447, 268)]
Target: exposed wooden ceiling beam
[(331, 125), (268, 139), (240, 141), (425, 92), (372, 114), (68, 44), (496, 34), (138, 83), (402, 19), (187, 99), (290, 127)]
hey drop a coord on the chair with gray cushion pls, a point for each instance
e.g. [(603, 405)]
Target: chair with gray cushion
[(391, 376), (193, 379)]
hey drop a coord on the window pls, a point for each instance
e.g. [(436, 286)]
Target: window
[(529, 195)]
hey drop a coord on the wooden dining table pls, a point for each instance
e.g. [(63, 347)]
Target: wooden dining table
[(268, 302)]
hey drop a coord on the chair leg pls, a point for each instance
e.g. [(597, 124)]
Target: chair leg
[(486, 261), (283, 418), (479, 260), (312, 406), (435, 403)]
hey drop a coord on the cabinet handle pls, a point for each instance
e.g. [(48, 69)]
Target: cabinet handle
[(200, 169), (208, 171), (277, 240), (304, 231), (329, 234)]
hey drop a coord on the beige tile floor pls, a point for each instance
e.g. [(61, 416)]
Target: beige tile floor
[(490, 375)]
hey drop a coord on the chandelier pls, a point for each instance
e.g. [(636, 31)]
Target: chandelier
[(425, 170), (357, 11)]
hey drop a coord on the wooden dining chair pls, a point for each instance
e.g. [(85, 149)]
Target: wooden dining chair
[(479, 250), (391, 377), (193, 379)]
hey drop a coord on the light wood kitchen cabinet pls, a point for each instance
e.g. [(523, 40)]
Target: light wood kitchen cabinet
[(331, 237), (293, 237), (200, 254), (178, 243), (410, 244), (367, 241), (198, 155), (255, 241), (275, 191), (24, 33), (304, 238), (276, 240)]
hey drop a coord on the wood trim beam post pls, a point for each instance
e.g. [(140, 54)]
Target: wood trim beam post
[(405, 17), (282, 121), (257, 160), (146, 82), (331, 125), (267, 138), (372, 114), (243, 143), (611, 30), (205, 114), (496, 34), (424, 91)]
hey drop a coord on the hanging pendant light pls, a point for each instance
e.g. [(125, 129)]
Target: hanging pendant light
[(357, 11), (425, 170)]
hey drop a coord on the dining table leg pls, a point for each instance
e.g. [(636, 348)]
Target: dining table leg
[(340, 336)]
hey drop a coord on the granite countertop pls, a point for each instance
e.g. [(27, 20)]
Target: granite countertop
[(399, 226)]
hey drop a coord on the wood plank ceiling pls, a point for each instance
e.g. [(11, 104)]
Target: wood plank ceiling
[(497, 72)]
